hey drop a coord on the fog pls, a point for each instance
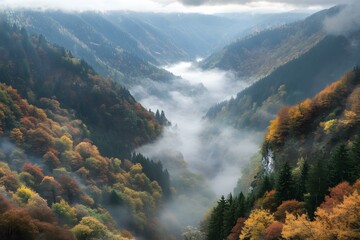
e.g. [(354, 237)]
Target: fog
[(346, 21), (204, 159), (216, 151)]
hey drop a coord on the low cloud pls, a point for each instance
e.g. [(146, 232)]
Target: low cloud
[(204, 159), (293, 2), (346, 21)]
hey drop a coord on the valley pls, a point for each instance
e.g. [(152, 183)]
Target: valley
[(122, 124)]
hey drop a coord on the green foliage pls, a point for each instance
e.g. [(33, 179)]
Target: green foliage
[(43, 70), (224, 216), (284, 184), (65, 213)]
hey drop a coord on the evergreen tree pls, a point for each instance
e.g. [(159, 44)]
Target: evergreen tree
[(339, 167), (301, 189), (284, 186), (216, 223), (240, 205), (229, 215), (317, 185), (265, 186), (355, 160)]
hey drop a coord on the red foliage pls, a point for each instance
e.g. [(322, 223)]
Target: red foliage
[(51, 160), (71, 189), (337, 195), (35, 171), (5, 204), (236, 230), (274, 231), (290, 206), (17, 224)]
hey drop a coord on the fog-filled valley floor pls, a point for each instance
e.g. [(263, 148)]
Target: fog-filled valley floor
[(194, 120), (213, 153)]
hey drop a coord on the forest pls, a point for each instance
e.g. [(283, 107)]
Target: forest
[(83, 156), (311, 190)]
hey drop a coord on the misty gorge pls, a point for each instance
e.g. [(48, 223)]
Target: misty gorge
[(179, 120)]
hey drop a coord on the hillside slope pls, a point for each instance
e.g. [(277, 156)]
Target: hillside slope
[(37, 69), (316, 126), (258, 55), (90, 36), (55, 184), (295, 81), (309, 182)]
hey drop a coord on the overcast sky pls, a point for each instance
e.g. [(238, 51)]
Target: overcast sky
[(203, 6)]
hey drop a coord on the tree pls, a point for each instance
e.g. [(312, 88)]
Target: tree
[(339, 168), (301, 189), (289, 206), (216, 223), (50, 189), (229, 215), (273, 232), (284, 185), (255, 226), (336, 196), (17, 224), (65, 213), (90, 228), (355, 160), (317, 185), (35, 171), (343, 222)]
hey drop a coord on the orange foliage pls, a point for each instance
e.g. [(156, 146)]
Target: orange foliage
[(290, 206), (17, 224), (236, 230), (269, 201), (35, 171), (337, 195), (273, 231)]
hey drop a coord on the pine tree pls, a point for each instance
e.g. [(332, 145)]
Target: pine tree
[(301, 190), (317, 185), (216, 223), (284, 186), (240, 205), (265, 186), (355, 160), (339, 167), (229, 215)]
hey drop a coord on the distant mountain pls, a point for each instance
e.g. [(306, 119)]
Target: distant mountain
[(179, 36), (259, 54), (295, 81), (38, 69), (93, 38)]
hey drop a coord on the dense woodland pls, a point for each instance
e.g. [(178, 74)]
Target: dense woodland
[(55, 181), (68, 169), (37, 69), (257, 55), (294, 81), (312, 188)]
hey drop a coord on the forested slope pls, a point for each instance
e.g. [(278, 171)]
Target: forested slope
[(308, 186), (37, 69)]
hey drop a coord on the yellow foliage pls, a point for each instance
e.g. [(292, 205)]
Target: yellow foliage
[(256, 224), (329, 125), (23, 194), (342, 223), (16, 135)]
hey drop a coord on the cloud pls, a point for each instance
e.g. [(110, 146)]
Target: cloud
[(200, 6), (204, 159), (346, 21), (292, 2)]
